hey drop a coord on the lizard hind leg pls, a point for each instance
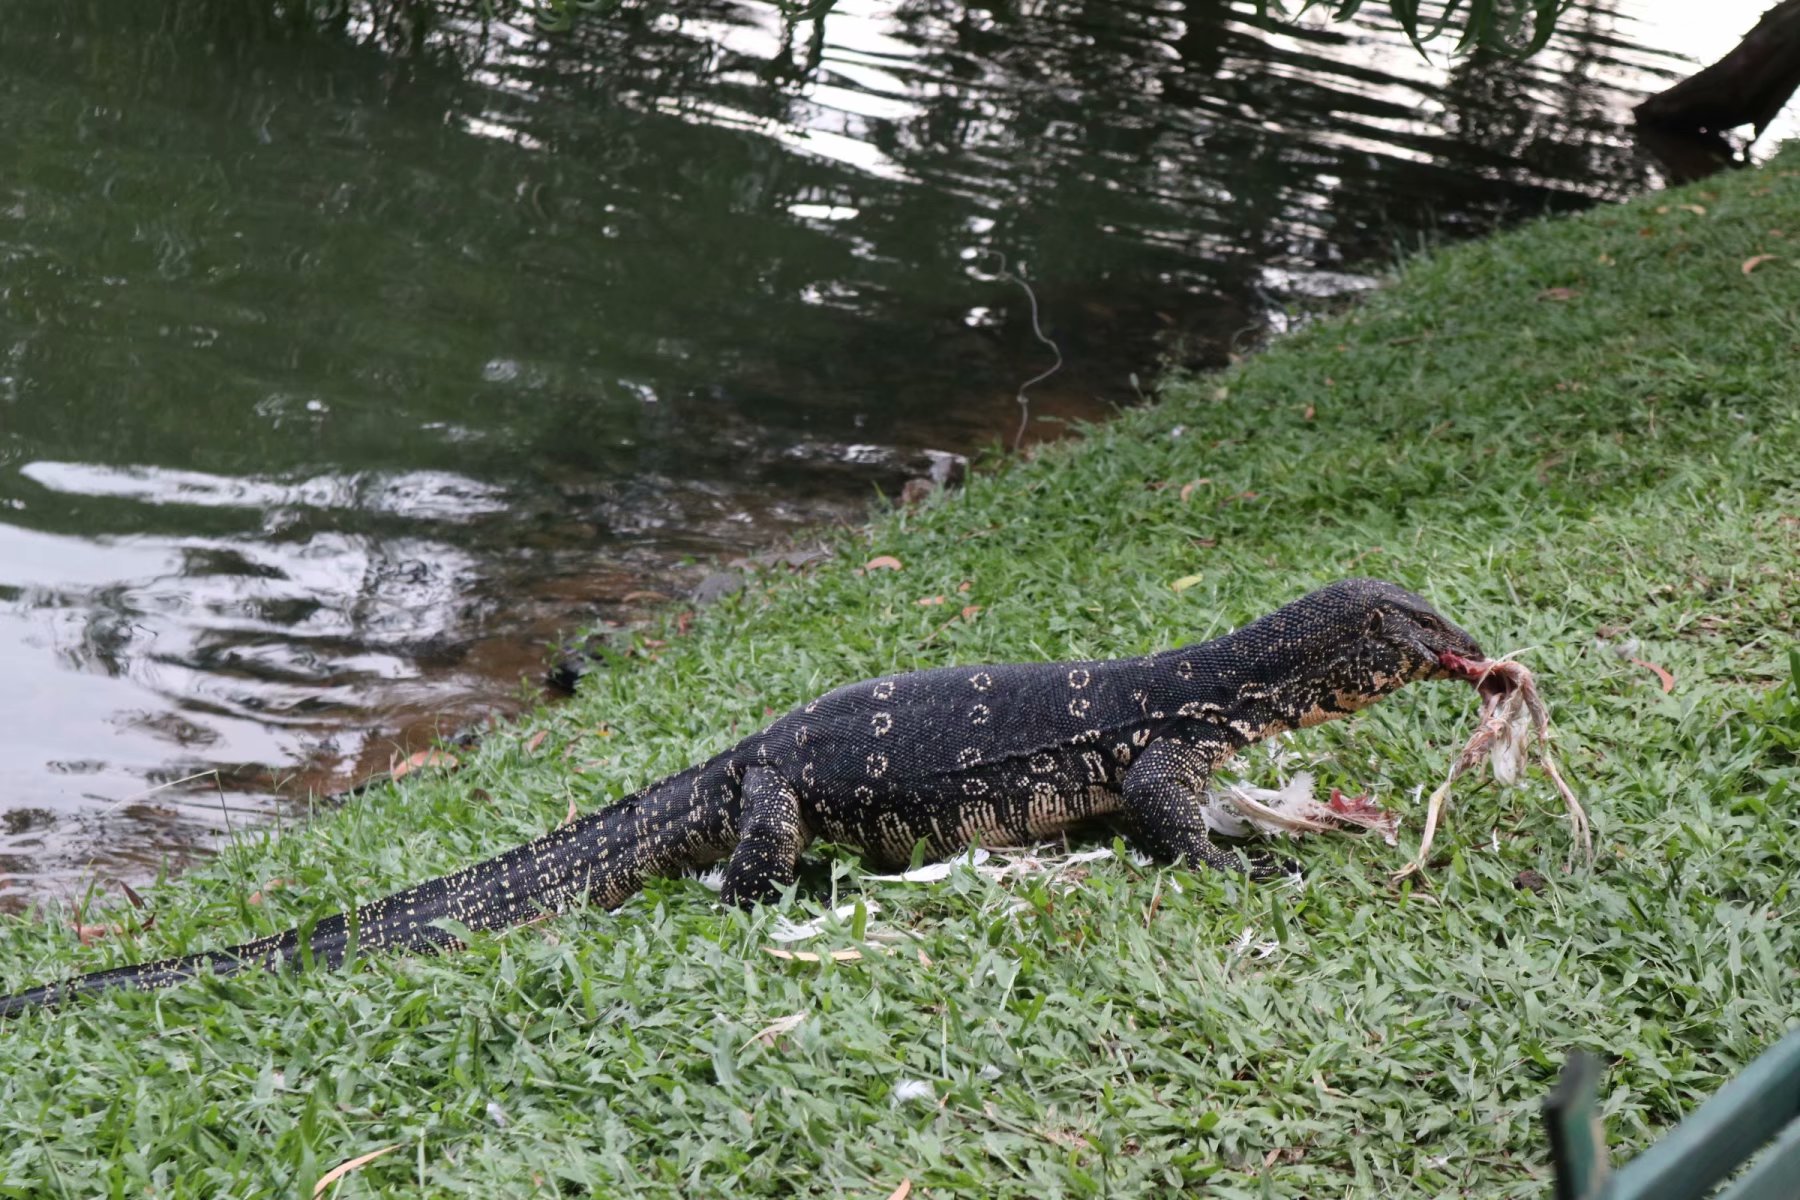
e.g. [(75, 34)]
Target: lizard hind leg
[(770, 839)]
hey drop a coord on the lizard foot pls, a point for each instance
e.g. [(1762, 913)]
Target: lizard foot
[(1269, 866)]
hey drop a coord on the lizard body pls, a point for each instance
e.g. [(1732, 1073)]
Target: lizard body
[(1000, 754)]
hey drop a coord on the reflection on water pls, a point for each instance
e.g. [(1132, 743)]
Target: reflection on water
[(338, 370)]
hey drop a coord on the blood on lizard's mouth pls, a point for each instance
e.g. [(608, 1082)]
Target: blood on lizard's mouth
[(1487, 676)]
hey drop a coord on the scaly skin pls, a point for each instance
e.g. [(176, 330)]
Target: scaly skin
[(1004, 754)]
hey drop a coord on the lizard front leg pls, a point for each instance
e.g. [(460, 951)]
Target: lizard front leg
[(1163, 802), (770, 838)]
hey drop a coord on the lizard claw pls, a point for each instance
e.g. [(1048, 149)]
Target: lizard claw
[(1268, 866)]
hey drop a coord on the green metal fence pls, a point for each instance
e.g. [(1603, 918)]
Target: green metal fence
[(1755, 1116)]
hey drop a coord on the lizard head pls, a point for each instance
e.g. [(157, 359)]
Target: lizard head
[(1432, 644), (1359, 639)]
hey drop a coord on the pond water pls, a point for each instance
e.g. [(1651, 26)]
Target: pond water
[(340, 369)]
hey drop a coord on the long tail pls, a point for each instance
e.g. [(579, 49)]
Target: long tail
[(604, 857)]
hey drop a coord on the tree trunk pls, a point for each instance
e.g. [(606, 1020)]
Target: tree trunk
[(1685, 125)]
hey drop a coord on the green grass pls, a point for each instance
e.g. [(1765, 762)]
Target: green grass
[(1625, 458)]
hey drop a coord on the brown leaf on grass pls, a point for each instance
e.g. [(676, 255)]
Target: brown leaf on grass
[(901, 1192), (273, 885), (683, 623), (537, 739), (810, 957), (1755, 261), (89, 934), (1668, 680), (928, 601), (964, 586), (419, 760), (883, 562), (1558, 293), (344, 1168), (633, 597), (770, 1033), (569, 817), (1308, 413), (1187, 489), (970, 611)]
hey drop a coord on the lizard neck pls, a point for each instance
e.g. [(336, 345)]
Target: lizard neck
[(1252, 688)]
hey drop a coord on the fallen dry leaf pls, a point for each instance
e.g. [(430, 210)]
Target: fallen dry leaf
[(970, 611), (928, 601), (810, 956), (537, 739), (1558, 293), (273, 885), (1187, 489), (963, 586), (1755, 261), (1309, 413), (901, 1192), (342, 1169), (573, 812), (1668, 680), (420, 759), (774, 1029), (882, 562)]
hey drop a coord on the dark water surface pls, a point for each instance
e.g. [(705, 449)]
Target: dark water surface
[(336, 376)]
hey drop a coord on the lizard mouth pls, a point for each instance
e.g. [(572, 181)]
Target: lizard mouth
[(1485, 675)]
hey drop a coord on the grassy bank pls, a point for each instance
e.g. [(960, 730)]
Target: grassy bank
[(1590, 425)]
